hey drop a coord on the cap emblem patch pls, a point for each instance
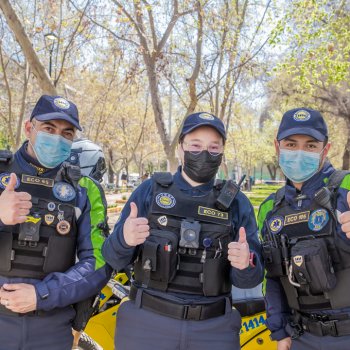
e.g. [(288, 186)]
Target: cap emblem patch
[(61, 103), (206, 116), (301, 116)]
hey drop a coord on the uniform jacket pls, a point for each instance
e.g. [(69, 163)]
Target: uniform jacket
[(118, 254), (276, 304), (90, 273)]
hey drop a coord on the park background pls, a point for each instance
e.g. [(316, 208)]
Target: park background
[(136, 68)]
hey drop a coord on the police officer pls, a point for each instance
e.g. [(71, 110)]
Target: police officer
[(49, 213), (306, 230), (186, 252)]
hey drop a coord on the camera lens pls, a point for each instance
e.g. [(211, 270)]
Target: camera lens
[(189, 235)]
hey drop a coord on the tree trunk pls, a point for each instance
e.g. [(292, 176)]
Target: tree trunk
[(346, 155), (36, 66), (173, 163), (272, 171), (110, 174)]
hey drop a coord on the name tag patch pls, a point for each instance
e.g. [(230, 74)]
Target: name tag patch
[(212, 213), (292, 219), (34, 180)]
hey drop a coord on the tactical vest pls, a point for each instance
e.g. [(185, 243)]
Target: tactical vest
[(186, 251), (301, 249), (46, 242)]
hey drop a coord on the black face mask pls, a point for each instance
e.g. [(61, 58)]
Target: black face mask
[(201, 167)]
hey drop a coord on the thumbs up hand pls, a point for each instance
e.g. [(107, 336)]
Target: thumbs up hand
[(14, 206), (344, 219), (238, 252), (135, 229)]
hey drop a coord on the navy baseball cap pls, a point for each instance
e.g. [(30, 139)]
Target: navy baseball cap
[(196, 120), (56, 107), (303, 121)]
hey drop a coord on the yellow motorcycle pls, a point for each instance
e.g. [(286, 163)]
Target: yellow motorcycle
[(99, 332)]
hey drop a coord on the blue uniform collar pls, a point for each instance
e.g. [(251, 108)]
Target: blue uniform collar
[(29, 165), (310, 186), (185, 186)]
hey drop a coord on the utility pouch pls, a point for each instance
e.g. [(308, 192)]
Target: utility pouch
[(273, 260), (157, 259), (6, 251), (216, 279), (312, 266)]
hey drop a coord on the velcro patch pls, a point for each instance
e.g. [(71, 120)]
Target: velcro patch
[(35, 180), (292, 219), (212, 213)]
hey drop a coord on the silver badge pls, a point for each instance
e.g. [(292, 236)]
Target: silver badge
[(163, 220), (51, 206)]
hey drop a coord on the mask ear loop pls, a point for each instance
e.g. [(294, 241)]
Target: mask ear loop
[(33, 127), (322, 160)]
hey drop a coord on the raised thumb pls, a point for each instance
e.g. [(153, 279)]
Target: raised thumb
[(11, 183), (242, 235), (133, 210)]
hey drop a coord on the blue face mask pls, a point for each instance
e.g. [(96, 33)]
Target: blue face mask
[(299, 166), (51, 150)]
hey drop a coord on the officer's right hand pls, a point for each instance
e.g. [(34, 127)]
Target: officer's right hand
[(135, 229), (14, 206), (284, 344)]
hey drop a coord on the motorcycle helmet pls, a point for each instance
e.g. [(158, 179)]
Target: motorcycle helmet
[(89, 157)]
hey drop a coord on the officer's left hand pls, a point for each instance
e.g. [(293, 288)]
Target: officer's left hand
[(238, 252), (18, 297), (345, 219)]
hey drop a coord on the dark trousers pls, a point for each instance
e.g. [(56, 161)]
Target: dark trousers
[(141, 329), (309, 341), (48, 332)]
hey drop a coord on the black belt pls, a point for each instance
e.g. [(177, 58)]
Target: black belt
[(193, 312), (7, 312), (323, 325)]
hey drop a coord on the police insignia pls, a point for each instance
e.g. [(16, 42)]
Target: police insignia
[(298, 260), (51, 206), (206, 116), (4, 180), (64, 191), (49, 219), (163, 220), (165, 200), (63, 227), (318, 219), (276, 224), (61, 103), (301, 116)]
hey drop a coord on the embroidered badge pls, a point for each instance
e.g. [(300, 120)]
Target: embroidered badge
[(301, 116), (318, 219), (4, 180), (163, 220), (298, 260), (49, 219), (64, 191), (276, 224), (165, 200), (292, 219), (35, 180), (212, 213), (206, 116), (61, 103)]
